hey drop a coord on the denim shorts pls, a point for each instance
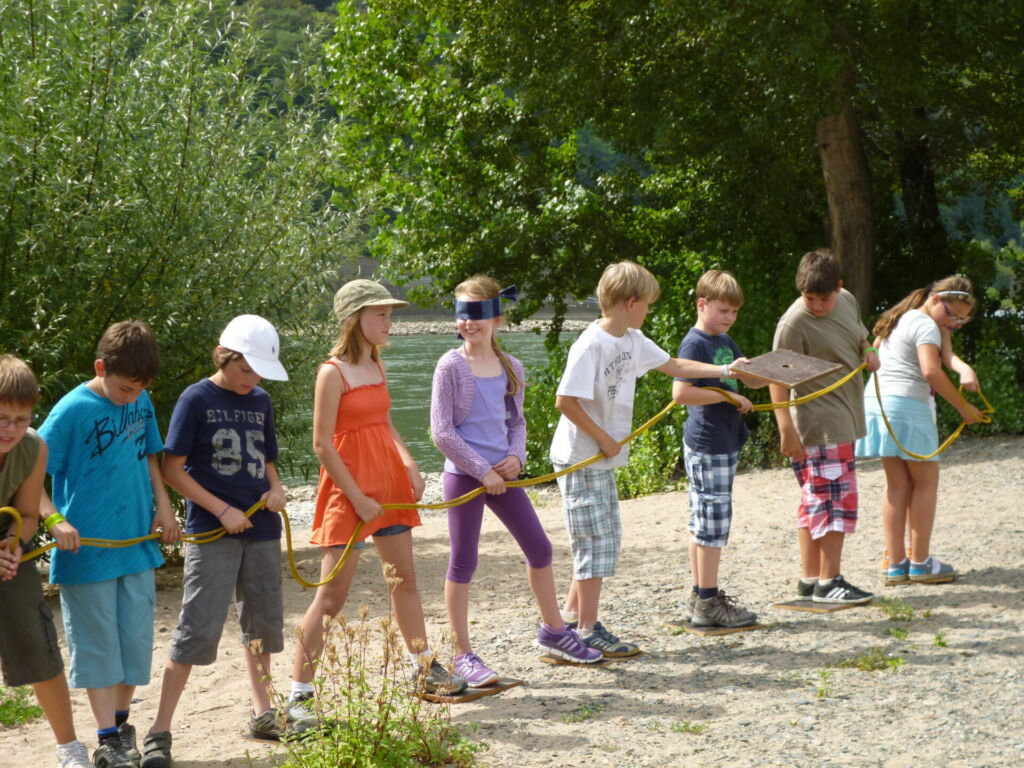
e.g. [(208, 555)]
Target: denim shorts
[(109, 629), (391, 530)]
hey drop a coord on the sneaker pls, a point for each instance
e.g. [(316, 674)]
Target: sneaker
[(156, 750), (721, 611), (897, 573), (127, 734), (805, 591), (110, 754), (300, 713), (438, 680), (73, 755), (268, 726), (566, 644), (691, 600), (838, 590), (931, 571), (608, 644), (472, 669)]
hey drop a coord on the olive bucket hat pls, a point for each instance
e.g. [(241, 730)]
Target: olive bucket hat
[(355, 295)]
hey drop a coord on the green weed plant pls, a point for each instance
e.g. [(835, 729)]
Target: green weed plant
[(369, 713), (16, 708), (872, 660)]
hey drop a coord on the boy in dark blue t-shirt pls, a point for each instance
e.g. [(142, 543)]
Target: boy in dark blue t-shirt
[(712, 439), (220, 453)]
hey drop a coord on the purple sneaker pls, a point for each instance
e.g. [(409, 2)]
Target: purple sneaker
[(472, 669), (566, 644)]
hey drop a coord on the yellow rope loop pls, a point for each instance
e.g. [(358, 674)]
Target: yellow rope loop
[(986, 418), (15, 526), (795, 401)]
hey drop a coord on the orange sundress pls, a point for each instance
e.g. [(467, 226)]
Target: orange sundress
[(363, 439)]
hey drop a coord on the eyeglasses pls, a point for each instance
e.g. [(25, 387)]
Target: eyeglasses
[(956, 320), (20, 423)]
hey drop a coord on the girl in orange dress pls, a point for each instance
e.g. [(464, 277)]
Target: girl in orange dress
[(364, 463)]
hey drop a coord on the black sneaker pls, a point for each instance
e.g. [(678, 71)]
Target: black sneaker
[(110, 754), (127, 733), (156, 750), (805, 591), (838, 590)]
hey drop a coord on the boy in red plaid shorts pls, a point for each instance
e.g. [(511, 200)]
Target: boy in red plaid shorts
[(818, 437)]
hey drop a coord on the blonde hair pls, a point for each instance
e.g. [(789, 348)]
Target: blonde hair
[(352, 342), (18, 385), (482, 288), (623, 281), (915, 299), (719, 285)]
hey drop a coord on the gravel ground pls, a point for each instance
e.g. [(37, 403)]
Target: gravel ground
[(952, 693)]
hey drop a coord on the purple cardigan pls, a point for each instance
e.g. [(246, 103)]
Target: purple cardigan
[(450, 401)]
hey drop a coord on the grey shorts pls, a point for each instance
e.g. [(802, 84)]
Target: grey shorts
[(590, 502), (29, 652), (251, 571)]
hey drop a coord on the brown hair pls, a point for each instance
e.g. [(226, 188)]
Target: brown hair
[(719, 285), (482, 288), (18, 385), (623, 281), (222, 356), (130, 349), (352, 341), (818, 273), (916, 299)]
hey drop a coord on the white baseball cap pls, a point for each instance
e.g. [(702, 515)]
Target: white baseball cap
[(256, 340)]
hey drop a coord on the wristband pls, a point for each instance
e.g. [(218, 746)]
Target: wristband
[(868, 349), (224, 511), (725, 372), (52, 520)]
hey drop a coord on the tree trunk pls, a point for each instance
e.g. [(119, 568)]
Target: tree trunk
[(926, 233), (848, 187)]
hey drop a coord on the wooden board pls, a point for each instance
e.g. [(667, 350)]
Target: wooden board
[(472, 694), (788, 368), (549, 659), (687, 626), (809, 606)]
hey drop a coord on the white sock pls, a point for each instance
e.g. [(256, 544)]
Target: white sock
[(825, 582), (808, 582), (300, 688), (421, 659), (568, 616)]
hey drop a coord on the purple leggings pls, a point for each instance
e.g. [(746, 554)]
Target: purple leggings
[(514, 510)]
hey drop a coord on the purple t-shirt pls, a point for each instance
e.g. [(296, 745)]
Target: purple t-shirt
[(227, 440), (485, 429)]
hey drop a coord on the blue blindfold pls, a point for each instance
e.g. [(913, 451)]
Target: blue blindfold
[(486, 309)]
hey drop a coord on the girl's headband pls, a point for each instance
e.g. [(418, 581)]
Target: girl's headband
[(965, 294), (486, 309)]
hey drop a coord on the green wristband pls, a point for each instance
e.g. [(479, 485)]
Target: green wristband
[(52, 520), (868, 349)]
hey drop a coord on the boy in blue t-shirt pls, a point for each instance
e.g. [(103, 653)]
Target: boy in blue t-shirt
[(712, 439), (220, 454), (103, 441)]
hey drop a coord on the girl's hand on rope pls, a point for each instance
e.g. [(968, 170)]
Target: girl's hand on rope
[(234, 520), (493, 483), (509, 467), (368, 509), (66, 536), (969, 379), (274, 499), (970, 414), (9, 560)]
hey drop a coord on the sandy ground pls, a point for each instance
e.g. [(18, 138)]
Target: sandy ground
[(752, 698)]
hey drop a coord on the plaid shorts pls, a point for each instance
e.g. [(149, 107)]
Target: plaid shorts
[(711, 476), (590, 501), (828, 490)]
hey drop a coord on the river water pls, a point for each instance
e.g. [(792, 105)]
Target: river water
[(410, 362)]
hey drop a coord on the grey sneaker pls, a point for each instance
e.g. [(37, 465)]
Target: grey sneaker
[(438, 680), (156, 750), (73, 755), (691, 600), (127, 733), (110, 754), (269, 726), (931, 571), (721, 611), (300, 712), (608, 644)]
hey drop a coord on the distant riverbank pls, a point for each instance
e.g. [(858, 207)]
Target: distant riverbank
[(446, 326)]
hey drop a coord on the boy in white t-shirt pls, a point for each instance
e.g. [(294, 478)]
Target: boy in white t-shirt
[(595, 398)]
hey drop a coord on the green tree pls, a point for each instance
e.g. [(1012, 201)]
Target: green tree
[(147, 172)]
